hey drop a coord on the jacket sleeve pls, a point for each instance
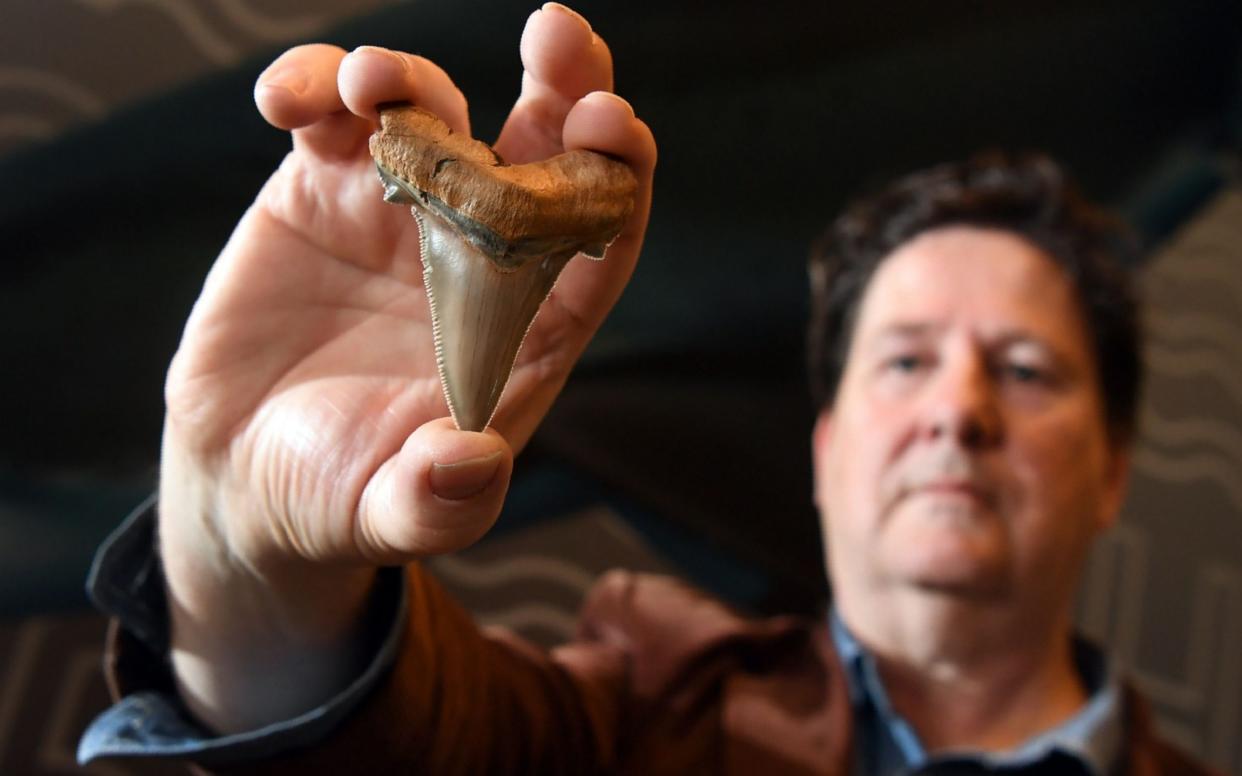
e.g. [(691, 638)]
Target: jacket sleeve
[(460, 700), (639, 689)]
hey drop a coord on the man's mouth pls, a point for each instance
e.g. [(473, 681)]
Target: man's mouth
[(955, 488)]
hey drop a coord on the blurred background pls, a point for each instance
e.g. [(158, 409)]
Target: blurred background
[(129, 147)]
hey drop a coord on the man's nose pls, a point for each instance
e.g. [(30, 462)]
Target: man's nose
[(964, 404)]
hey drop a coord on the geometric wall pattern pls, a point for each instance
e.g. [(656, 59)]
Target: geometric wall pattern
[(67, 63), (1164, 589)]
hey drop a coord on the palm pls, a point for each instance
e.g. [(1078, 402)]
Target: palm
[(308, 360)]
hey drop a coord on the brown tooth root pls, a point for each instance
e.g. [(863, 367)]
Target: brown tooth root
[(494, 238)]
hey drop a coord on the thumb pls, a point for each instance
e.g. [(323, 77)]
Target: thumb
[(441, 492)]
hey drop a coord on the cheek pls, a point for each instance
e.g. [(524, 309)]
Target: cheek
[(850, 469), (1056, 485)]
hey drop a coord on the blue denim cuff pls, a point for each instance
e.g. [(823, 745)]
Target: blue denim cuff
[(126, 581)]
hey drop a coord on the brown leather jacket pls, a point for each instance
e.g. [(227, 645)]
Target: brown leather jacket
[(661, 679)]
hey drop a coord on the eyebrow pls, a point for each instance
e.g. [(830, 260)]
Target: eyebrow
[(908, 329), (897, 331), (1002, 339)]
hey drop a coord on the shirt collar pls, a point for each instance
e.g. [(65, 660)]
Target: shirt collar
[(1093, 736)]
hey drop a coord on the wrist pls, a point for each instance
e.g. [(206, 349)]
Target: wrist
[(255, 660), (253, 640), (250, 650)]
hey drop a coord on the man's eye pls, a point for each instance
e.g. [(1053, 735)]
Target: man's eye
[(904, 363), (1023, 373)]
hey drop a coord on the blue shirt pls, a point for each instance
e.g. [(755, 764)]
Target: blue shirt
[(126, 582), (886, 744)]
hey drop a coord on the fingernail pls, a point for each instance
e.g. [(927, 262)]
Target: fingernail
[(389, 53), (601, 95), (292, 79), (570, 12), (461, 480)]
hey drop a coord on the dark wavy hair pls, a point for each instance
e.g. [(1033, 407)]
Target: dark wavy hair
[(1027, 194)]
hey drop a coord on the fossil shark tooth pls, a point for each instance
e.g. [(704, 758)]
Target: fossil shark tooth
[(494, 238)]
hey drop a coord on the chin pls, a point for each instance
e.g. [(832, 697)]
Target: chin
[(950, 563)]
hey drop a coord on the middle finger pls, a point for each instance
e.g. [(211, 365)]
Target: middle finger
[(564, 60)]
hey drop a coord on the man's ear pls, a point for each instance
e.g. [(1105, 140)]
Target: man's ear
[(1116, 482), (821, 440), (821, 433)]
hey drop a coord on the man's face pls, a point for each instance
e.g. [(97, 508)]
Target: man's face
[(966, 451)]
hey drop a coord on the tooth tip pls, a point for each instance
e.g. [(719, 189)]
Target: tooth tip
[(480, 315)]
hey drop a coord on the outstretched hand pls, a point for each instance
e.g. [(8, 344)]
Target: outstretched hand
[(306, 439)]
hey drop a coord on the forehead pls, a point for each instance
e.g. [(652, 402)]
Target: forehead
[(991, 282)]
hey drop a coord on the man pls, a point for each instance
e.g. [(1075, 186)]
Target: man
[(980, 409), (969, 449)]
